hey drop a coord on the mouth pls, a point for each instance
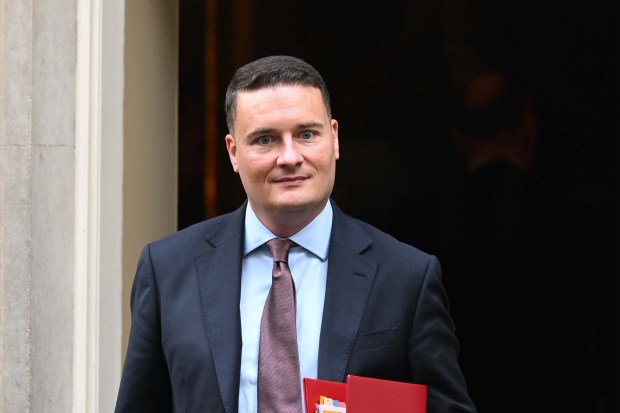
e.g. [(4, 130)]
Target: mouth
[(291, 180)]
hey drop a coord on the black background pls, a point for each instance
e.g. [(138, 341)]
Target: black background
[(393, 68)]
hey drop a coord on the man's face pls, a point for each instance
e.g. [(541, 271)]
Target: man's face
[(285, 149)]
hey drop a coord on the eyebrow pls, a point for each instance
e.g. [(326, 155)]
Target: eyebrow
[(267, 131), (261, 131), (310, 125)]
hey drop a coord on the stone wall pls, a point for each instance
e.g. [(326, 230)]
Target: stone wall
[(37, 174)]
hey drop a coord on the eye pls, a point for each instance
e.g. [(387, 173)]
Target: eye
[(264, 140), (307, 134)]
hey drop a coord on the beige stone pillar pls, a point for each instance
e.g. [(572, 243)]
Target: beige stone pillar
[(37, 169), (78, 196)]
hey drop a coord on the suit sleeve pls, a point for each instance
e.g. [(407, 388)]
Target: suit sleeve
[(433, 351), (145, 383)]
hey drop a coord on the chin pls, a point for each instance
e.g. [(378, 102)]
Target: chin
[(295, 205)]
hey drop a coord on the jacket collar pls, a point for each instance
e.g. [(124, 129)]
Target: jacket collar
[(349, 279)]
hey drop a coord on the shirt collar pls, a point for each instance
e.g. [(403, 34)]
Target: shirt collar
[(314, 237)]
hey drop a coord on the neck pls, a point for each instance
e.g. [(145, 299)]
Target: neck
[(285, 223)]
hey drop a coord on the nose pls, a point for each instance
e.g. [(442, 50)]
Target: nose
[(290, 153)]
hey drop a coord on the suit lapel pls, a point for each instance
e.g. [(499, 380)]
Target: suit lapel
[(219, 280), (349, 280)]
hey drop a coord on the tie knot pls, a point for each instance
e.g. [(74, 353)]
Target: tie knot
[(279, 248)]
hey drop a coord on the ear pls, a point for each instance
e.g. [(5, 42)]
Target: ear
[(231, 147), (334, 124)]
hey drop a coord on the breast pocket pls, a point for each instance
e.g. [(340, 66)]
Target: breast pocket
[(375, 339)]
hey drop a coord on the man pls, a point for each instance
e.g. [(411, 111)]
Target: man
[(367, 304)]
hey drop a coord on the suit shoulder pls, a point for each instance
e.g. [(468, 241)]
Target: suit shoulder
[(391, 240), (199, 234), (387, 243), (396, 259)]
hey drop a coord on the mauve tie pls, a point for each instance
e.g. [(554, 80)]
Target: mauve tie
[(279, 385)]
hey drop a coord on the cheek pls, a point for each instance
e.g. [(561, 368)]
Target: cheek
[(326, 158), (256, 169)]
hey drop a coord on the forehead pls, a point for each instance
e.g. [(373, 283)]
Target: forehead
[(280, 98)]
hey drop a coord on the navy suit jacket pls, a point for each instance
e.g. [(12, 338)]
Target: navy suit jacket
[(385, 316)]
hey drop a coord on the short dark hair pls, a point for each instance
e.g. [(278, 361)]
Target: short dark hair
[(272, 71)]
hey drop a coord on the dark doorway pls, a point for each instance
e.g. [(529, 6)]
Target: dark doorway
[(394, 69)]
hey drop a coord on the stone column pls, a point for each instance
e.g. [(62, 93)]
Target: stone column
[(37, 174), (73, 136)]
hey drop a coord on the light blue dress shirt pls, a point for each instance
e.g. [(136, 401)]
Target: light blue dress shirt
[(308, 264)]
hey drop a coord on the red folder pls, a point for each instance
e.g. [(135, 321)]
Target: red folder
[(368, 395), (314, 389)]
